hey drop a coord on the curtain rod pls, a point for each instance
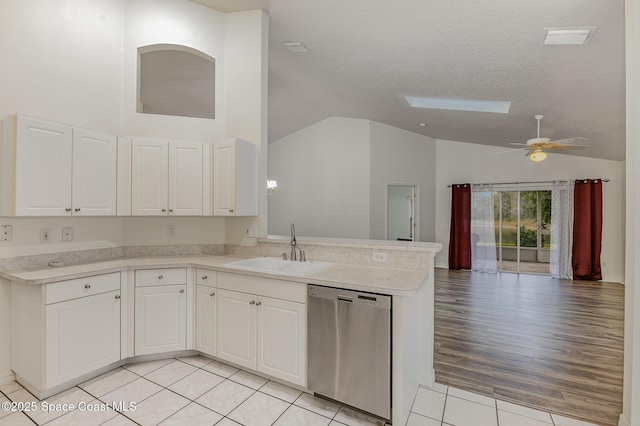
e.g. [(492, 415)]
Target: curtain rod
[(522, 183)]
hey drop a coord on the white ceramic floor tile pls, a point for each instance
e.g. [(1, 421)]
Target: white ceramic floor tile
[(143, 368), (334, 423), (461, 412), (418, 420), (225, 397), (281, 391), (439, 387), (542, 416), (10, 387), (220, 369), (296, 416), (227, 422), (135, 391), (317, 405), (196, 384), (21, 395), (16, 419), (157, 408), (352, 417), (474, 397), (566, 421), (193, 415), (506, 418), (120, 420), (429, 403), (108, 382), (249, 380), (170, 373), (90, 415), (48, 409), (196, 360), (259, 410)]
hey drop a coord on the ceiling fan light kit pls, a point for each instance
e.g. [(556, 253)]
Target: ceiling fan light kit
[(538, 156)]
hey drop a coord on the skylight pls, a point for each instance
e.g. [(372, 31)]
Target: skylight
[(501, 107), (568, 35)]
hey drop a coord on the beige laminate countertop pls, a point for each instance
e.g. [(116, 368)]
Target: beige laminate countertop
[(397, 282)]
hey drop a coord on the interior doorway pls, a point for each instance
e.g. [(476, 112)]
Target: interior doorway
[(402, 216)]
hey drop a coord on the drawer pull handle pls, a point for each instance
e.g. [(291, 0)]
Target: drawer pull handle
[(230, 210), (258, 303), (170, 210), (182, 291), (160, 277), (212, 294), (204, 277), (67, 209), (87, 286), (164, 210), (117, 297), (253, 302), (77, 209)]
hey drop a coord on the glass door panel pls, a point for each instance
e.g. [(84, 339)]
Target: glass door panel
[(508, 256)]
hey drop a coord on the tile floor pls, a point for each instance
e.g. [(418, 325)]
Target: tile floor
[(199, 391)]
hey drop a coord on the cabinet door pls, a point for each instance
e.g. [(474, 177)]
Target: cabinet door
[(185, 178), (94, 173), (43, 168), (82, 335), (237, 328), (206, 320), (149, 177), (282, 345), (224, 172), (160, 319)]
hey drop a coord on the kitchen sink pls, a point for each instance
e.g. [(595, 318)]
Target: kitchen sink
[(278, 266)]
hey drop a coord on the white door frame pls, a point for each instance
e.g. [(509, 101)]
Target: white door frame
[(416, 209)]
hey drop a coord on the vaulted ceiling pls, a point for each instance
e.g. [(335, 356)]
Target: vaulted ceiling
[(364, 55)]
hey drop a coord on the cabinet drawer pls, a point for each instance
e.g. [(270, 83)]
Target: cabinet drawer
[(149, 277), (81, 287), (206, 277), (279, 289)]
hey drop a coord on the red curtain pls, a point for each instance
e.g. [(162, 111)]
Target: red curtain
[(587, 229), (460, 234)]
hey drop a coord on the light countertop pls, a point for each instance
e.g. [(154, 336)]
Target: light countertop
[(398, 282)]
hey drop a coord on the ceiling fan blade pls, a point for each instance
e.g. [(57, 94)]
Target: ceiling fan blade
[(508, 150), (518, 144), (571, 141), (562, 146)]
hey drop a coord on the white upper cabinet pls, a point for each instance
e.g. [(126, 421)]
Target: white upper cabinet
[(49, 169), (94, 173), (166, 178), (235, 178)]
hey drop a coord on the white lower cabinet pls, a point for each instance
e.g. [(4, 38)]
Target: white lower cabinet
[(263, 333), (65, 330), (82, 335), (206, 319), (160, 319)]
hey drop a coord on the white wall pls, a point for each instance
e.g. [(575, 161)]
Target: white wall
[(323, 180), (459, 162), (399, 156)]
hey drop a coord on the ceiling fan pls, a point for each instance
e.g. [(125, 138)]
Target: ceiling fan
[(536, 147)]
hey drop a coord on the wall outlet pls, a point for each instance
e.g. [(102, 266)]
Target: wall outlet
[(379, 257), (67, 234), (6, 233), (251, 231), (171, 231), (45, 235)]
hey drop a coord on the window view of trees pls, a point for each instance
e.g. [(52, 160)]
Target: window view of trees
[(530, 201)]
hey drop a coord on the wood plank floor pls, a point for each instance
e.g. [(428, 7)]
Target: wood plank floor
[(534, 340)]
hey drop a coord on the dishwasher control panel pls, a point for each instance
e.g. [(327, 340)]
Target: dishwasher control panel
[(350, 296)]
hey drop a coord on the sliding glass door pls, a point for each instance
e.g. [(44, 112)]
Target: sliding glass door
[(523, 224)]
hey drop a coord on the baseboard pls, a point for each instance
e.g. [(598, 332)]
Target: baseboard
[(7, 378), (441, 265), (623, 421)]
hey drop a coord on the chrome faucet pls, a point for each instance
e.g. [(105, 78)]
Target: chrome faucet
[(293, 242), (294, 245)]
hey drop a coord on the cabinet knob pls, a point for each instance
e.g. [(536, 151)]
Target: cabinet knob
[(212, 294), (204, 277), (164, 210), (87, 286), (258, 303), (253, 302), (160, 277), (230, 210), (182, 290), (77, 209), (68, 209), (117, 297)]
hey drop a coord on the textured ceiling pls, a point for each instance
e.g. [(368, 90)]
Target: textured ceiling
[(366, 54)]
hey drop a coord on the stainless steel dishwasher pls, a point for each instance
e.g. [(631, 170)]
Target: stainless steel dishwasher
[(349, 348)]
